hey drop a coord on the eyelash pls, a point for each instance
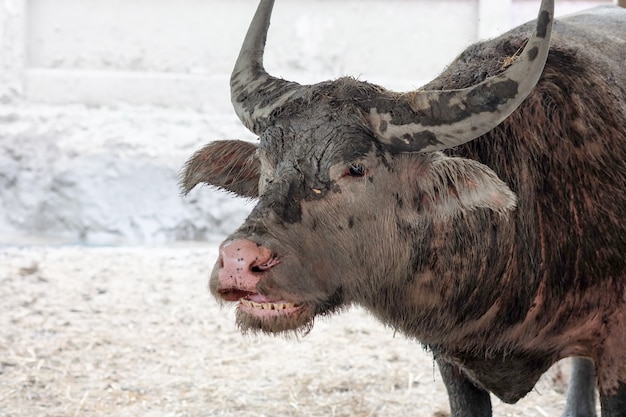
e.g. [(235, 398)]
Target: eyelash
[(355, 170)]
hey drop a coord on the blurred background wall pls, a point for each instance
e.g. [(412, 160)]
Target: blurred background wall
[(102, 101)]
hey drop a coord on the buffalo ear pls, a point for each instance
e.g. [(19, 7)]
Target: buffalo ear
[(460, 185), (231, 165)]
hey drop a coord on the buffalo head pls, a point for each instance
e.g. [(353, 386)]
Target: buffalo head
[(355, 203)]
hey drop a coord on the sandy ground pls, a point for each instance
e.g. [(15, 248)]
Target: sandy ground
[(133, 332)]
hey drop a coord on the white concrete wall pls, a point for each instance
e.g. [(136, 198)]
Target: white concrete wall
[(134, 51), (12, 48), (179, 53), (101, 101)]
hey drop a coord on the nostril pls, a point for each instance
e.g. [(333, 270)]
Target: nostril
[(261, 265), (242, 265), (243, 256)]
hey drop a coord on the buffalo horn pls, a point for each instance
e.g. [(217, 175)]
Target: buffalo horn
[(255, 94), (423, 121)]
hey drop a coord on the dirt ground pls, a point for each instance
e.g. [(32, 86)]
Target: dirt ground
[(133, 332)]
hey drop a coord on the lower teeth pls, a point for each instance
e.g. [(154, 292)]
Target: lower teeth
[(266, 306)]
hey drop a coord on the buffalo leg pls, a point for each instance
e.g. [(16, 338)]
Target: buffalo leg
[(581, 395), (466, 399), (613, 404)]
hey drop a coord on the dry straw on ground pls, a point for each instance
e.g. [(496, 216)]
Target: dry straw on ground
[(133, 332)]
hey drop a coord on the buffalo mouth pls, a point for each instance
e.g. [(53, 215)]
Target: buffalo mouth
[(258, 313), (258, 305)]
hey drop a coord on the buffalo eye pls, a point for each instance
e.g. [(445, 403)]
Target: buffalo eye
[(355, 170)]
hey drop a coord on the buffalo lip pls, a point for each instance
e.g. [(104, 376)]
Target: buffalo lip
[(233, 294)]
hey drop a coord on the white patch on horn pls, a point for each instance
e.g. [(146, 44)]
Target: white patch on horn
[(264, 112), (385, 131)]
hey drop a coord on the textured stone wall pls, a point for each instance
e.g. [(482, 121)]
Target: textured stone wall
[(107, 176)]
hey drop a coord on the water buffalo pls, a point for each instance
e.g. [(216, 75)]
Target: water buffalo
[(483, 215)]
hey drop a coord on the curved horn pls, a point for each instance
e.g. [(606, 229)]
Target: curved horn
[(254, 93), (424, 121)]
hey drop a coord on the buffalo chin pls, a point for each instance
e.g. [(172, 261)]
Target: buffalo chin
[(300, 321)]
